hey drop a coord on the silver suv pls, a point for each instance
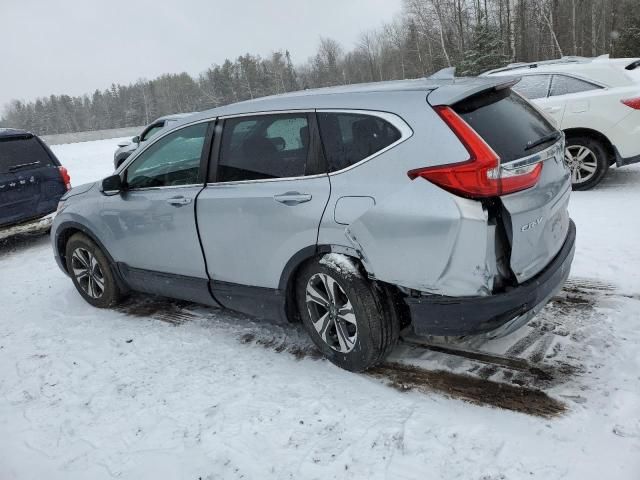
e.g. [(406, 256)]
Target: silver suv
[(434, 206)]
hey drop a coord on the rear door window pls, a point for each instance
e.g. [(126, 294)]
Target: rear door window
[(564, 85), (18, 153), (533, 86), (349, 138), (507, 122), (264, 147)]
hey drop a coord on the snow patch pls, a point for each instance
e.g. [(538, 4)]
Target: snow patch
[(340, 262), (168, 391), (32, 227)]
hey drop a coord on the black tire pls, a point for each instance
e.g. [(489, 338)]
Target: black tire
[(600, 156), (375, 319), (79, 252)]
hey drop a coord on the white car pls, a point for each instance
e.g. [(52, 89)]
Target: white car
[(595, 101)]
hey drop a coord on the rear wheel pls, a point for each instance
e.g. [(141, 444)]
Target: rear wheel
[(91, 272), (348, 319), (587, 160)]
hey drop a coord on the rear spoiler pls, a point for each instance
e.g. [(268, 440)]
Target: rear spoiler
[(16, 136), (462, 88)]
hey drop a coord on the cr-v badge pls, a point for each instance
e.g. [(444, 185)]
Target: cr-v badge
[(531, 225)]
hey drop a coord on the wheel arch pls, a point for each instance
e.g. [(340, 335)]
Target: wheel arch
[(291, 269), (66, 230), (601, 137)]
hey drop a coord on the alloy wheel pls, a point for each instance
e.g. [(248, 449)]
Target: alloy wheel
[(87, 272), (331, 313), (582, 163)]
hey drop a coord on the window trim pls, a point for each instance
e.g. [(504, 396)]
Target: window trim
[(406, 132), (313, 147), (160, 124), (204, 156)]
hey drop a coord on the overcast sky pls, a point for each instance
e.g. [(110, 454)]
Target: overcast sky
[(76, 46)]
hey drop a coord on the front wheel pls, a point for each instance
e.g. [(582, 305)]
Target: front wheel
[(91, 272), (587, 160), (348, 319)]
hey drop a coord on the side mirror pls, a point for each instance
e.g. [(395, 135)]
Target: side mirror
[(112, 185), (136, 139)]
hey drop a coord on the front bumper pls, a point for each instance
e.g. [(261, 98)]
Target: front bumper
[(457, 316)]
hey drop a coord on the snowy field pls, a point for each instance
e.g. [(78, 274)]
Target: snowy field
[(168, 390)]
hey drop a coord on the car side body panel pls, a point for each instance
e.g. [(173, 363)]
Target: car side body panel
[(143, 230), (248, 235), (425, 239)]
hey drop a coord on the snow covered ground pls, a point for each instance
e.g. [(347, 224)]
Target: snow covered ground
[(161, 389)]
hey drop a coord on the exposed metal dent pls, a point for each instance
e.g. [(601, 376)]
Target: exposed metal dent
[(443, 247)]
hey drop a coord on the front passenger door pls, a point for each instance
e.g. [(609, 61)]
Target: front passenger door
[(151, 224)]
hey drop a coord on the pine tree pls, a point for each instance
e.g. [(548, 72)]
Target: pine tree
[(628, 44), (485, 53)]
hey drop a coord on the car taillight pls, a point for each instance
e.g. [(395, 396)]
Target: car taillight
[(632, 102), (66, 178), (481, 176)]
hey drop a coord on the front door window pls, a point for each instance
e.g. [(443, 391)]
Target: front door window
[(173, 160)]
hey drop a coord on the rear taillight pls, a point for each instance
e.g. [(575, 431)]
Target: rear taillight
[(632, 102), (481, 176), (66, 178)]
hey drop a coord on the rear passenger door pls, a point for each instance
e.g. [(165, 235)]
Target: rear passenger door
[(264, 198), (568, 91), (536, 88)]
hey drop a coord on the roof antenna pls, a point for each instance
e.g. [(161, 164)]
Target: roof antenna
[(448, 73)]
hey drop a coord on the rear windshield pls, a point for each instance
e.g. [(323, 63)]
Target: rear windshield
[(506, 122), (22, 153)]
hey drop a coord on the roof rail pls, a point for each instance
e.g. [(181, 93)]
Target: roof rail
[(557, 61)]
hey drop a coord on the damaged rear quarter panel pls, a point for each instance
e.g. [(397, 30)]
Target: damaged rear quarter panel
[(424, 238)]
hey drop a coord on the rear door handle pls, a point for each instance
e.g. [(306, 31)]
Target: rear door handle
[(178, 201), (552, 109), (292, 198)]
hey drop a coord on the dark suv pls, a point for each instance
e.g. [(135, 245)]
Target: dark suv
[(31, 177)]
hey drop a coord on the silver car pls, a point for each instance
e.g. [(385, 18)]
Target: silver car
[(127, 148), (435, 206)]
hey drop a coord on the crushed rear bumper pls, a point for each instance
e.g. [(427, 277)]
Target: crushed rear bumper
[(457, 316)]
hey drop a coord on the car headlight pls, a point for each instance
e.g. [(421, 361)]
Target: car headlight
[(61, 205)]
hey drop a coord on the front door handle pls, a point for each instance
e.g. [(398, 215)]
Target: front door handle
[(552, 109), (178, 201), (292, 198)]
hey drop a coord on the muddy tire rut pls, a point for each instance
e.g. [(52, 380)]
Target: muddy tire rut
[(517, 377)]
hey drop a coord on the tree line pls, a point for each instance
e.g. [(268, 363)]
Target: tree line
[(472, 35)]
